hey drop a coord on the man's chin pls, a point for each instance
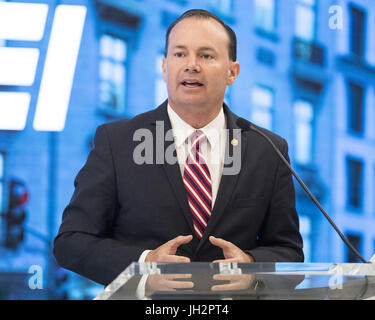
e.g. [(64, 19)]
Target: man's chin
[(192, 102)]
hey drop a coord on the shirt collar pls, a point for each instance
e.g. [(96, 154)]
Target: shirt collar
[(182, 130)]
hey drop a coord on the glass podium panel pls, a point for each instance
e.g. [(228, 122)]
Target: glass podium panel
[(261, 281)]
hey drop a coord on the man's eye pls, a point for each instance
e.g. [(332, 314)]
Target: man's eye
[(179, 54), (207, 56)]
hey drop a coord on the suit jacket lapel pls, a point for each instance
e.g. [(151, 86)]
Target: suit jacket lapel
[(228, 181), (172, 170)]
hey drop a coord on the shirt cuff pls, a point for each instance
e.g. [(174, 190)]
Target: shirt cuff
[(142, 258), (141, 289)]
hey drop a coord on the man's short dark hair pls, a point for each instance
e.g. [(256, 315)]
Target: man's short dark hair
[(203, 14)]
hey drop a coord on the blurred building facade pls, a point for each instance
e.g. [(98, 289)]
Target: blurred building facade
[(307, 73)]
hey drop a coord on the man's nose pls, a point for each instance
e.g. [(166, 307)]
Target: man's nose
[(192, 65)]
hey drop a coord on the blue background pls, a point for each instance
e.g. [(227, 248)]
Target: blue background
[(307, 73)]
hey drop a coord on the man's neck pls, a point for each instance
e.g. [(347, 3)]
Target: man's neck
[(195, 116)]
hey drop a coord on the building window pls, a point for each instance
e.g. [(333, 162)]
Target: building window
[(222, 6), (303, 115), (305, 230), (356, 241), (357, 32), (265, 15), (2, 173), (265, 56), (262, 100), (305, 19), (161, 92), (228, 96), (355, 108), (354, 182), (112, 73)]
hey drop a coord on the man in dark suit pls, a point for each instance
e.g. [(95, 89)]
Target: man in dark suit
[(164, 187)]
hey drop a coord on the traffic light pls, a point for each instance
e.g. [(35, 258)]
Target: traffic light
[(16, 214)]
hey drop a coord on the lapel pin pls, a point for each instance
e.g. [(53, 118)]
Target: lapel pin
[(234, 142)]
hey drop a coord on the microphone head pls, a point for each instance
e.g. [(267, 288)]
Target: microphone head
[(243, 123)]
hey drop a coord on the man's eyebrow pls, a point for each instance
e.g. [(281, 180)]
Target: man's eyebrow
[(200, 48), (179, 47), (206, 49)]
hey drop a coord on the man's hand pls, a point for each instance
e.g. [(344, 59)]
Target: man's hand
[(167, 282), (167, 251), (230, 251), (236, 282)]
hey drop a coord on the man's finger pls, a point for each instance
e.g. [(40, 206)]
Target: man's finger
[(225, 260), (220, 242), (176, 276), (228, 287), (176, 242), (179, 284), (176, 259), (226, 277)]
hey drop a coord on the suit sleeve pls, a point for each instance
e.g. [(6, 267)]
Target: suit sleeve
[(84, 244), (280, 239)]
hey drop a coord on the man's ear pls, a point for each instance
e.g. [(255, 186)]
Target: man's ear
[(164, 70), (233, 72)]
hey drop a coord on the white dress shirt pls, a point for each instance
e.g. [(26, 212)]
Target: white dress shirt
[(213, 150)]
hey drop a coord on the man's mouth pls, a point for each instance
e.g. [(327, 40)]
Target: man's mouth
[(192, 84)]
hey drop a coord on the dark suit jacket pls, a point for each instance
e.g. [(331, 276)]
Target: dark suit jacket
[(120, 208)]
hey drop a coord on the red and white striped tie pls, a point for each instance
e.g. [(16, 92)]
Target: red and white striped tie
[(197, 181)]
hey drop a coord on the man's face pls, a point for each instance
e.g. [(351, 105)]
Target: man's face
[(197, 68)]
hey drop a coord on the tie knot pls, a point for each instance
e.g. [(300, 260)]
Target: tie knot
[(197, 138)]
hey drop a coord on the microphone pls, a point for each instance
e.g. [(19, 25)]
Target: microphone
[(246, 125)]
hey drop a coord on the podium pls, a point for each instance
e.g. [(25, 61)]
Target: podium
[(243, 281)]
